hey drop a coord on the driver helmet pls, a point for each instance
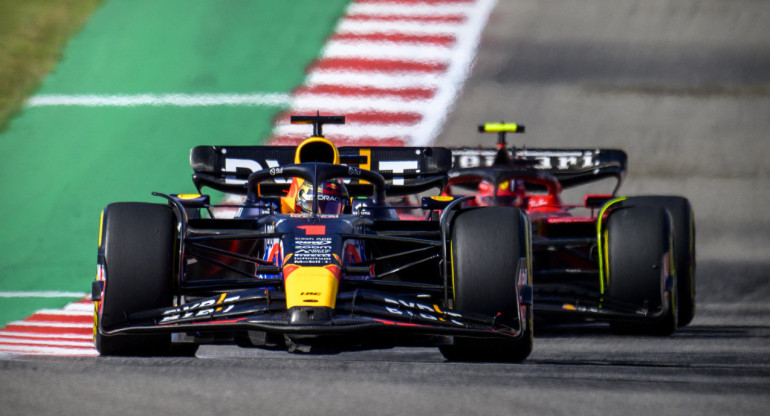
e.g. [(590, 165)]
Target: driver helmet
[(510, 193), (333, 198)]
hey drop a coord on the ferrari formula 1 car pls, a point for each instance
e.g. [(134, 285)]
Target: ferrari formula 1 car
[(629, 261), (306, 254)]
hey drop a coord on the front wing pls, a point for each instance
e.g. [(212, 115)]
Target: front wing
[(557, 302), (356, 311)]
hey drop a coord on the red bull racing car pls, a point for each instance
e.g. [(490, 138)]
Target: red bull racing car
[(302, 251), (626, 260)]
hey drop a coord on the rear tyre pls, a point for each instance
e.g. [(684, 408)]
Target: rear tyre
[(136, 253), (683, 226), (639, 249), (487, 244)]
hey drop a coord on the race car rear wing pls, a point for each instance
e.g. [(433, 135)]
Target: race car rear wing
[(407, 170), (571, 167)]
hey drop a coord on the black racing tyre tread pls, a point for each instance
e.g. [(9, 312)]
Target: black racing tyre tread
[(683, 224), (638, 236), (138, 250), (487, 244)]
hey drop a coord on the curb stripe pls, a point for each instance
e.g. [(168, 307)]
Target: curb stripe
[(392, 66), (49, 329), (361, 130), (338, 104), (363, 17), (390, 56), (375, 50), (378, 65), (410, 2), (58, 343), (36, 350), (357, 79), (31, 335), (286, 140), (65, 332), (369, 117), (408, 27), (444, 40), (342, 90), (47, 318), (414, 9), (31, 322)]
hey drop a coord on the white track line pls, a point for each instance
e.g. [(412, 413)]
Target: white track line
[(447, 82), (41, 294), (179, 100)]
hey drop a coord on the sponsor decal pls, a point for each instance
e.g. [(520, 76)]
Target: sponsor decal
[(200, 309), (274, 254), (330, 197), (546, 160), (313, 250), (233, 164), (403, 308), (313, 229), (561, 160)]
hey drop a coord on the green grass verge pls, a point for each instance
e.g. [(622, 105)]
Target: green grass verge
[(32, 36)]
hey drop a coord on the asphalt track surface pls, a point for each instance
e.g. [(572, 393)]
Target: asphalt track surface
[(683, 87)]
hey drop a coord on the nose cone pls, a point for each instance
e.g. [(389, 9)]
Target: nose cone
[(309, 315), (314, 286)]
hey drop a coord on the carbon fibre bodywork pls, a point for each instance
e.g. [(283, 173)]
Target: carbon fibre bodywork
[(571, 251), (245, 271)]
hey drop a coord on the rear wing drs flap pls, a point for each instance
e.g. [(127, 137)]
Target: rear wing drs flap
[(407, 170), (571, 167)]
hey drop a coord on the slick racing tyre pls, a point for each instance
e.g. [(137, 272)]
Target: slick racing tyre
[(639, 249), (487, 245), (683, 226), (136, 255)]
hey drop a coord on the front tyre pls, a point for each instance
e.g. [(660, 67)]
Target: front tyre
[(683, 227), (639, 246), (488, 245), (136, 255)]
